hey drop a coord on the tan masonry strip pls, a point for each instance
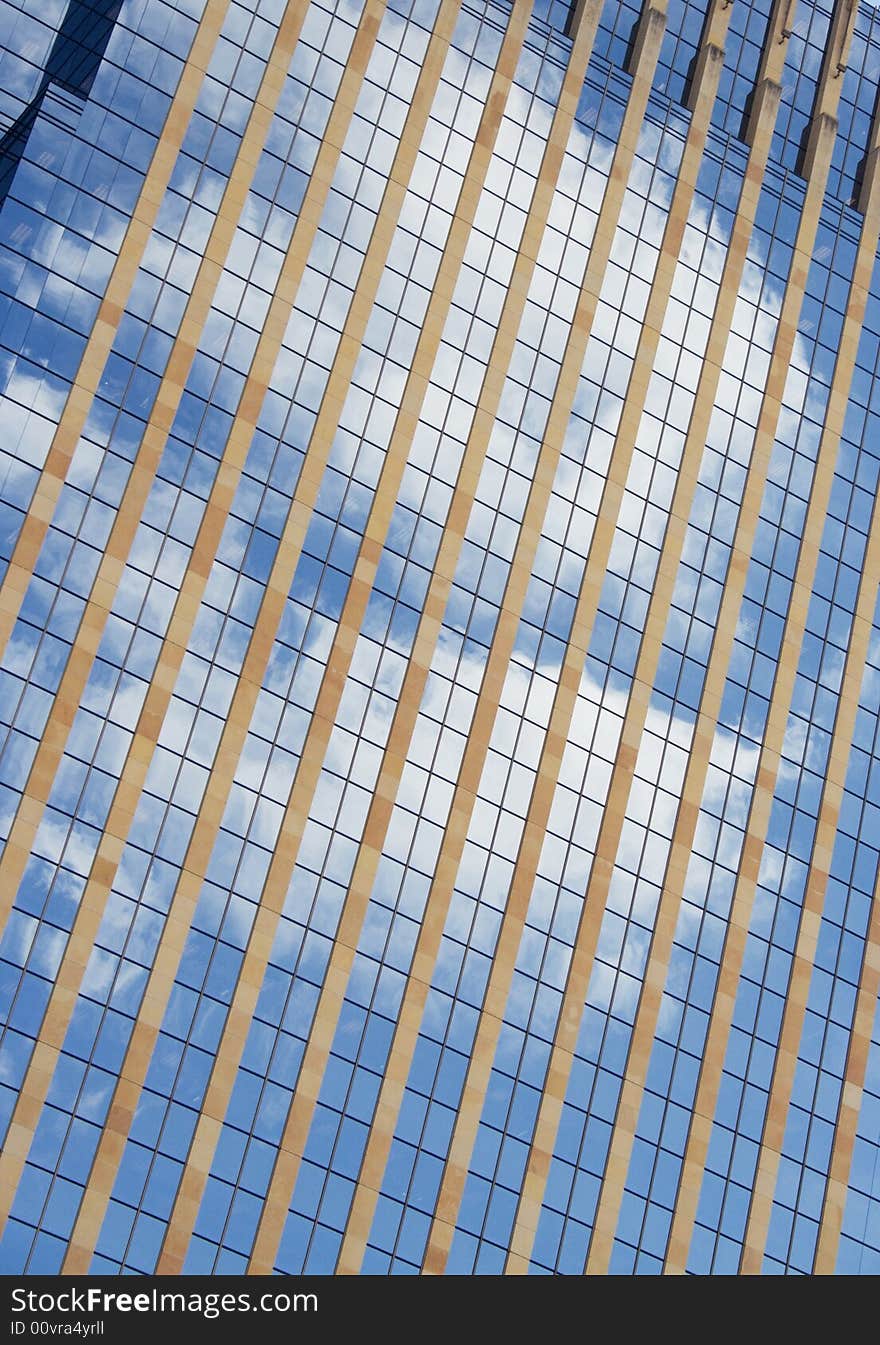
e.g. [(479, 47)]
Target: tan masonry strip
[(869, 982), (109, 852), (330, 1002), (143, 473), (159, 986), (562, 1056), (91, 366), (504, 961), (428, 943), (782, 1081), (819, 158), (819, 155), (257, 955)]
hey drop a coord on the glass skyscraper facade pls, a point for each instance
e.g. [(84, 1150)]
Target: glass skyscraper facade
[(440, 706)]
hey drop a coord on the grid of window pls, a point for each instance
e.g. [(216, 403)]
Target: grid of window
[(585, 776), (63, 221), (364, 1032), (616, 32), (538, 978), (763, 985), (516, 502), (696, 952), (398, 1232), (840, 949), (697, 949), (800, 77), (204, 831), (166, 812), (64, 76), (747, 33), (624, 934), (685, 21), (51, 612), (27, 41), (555, 13), (651, 810), (858, 98), (265, 772), (96, 750), (50, 616), (464, 959)]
